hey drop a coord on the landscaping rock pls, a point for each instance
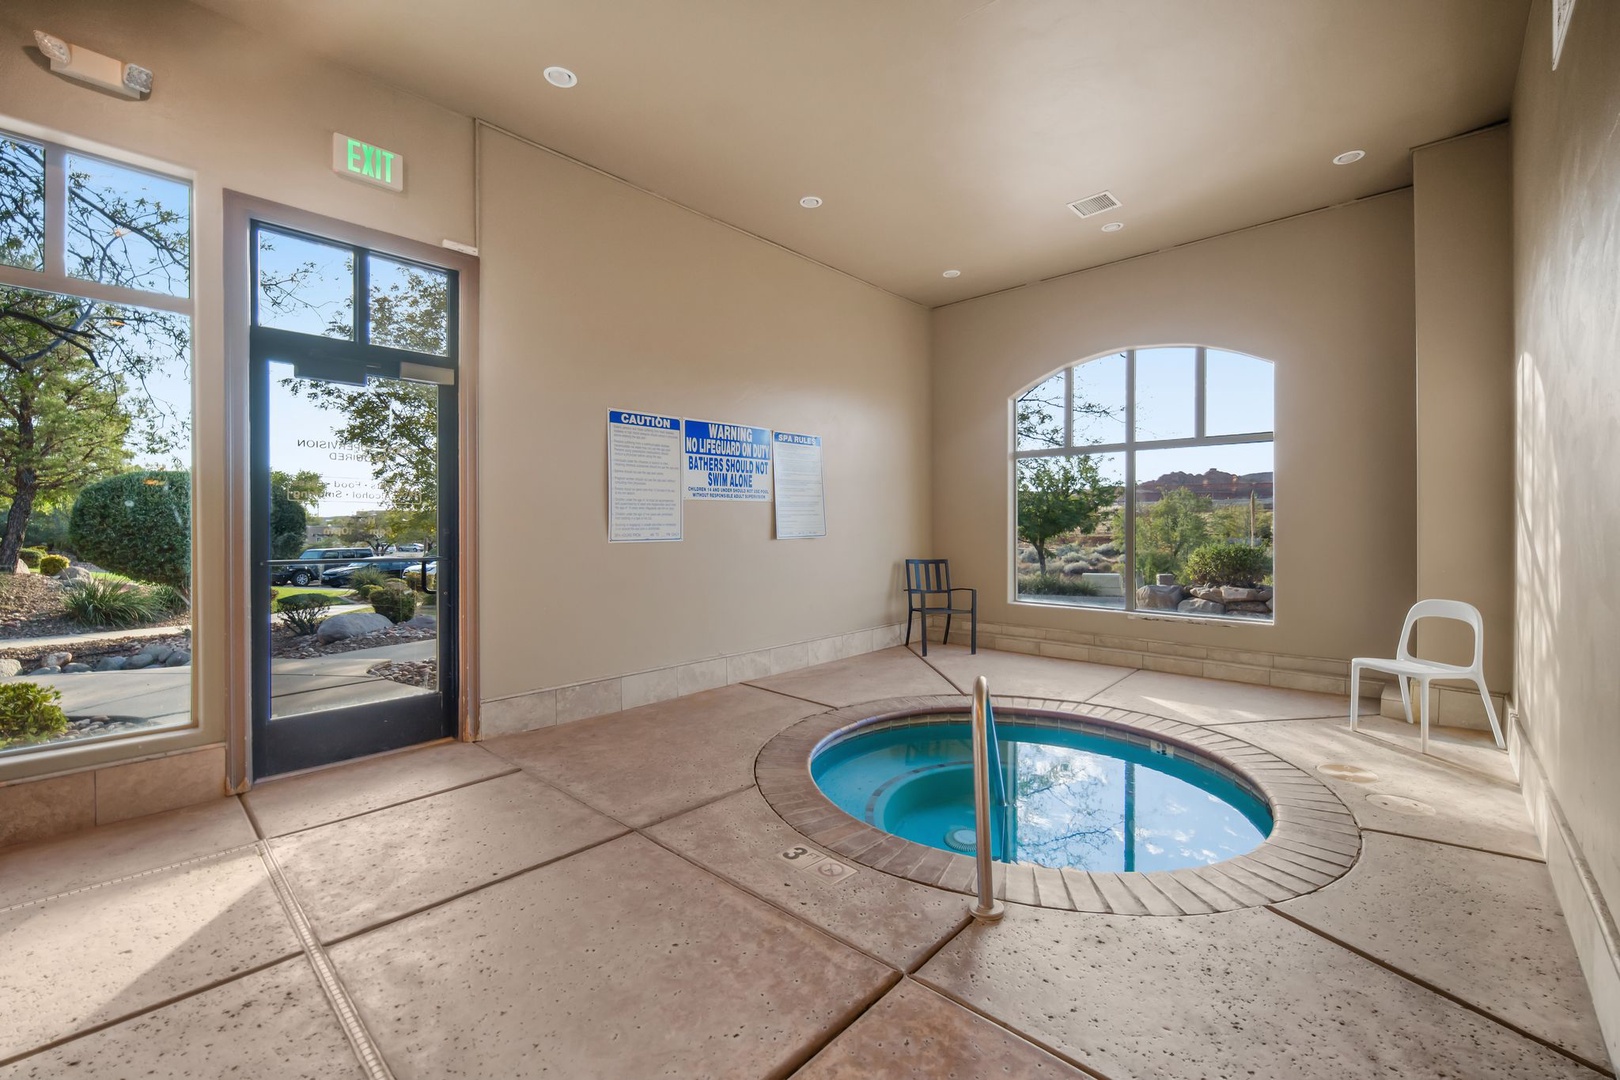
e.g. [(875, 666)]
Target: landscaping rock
[(178, 658), (1251, 607), (1159, 597), (1207, 592), (160, 653), (342, 627), (1233, 594), (142, 659), (48, 669), (9, 667), (56, 659), (422, 622), (1168, 579), (1075, 569), (1201, 607), (73, 574), (111, 663), (74, 669)]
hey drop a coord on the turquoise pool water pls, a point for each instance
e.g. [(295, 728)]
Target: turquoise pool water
[(1074, 799)]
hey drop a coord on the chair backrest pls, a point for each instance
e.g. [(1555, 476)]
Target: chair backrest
[(928, 575), (1444, 609)]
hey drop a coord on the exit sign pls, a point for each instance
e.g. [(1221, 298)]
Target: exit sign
[(367, 163)]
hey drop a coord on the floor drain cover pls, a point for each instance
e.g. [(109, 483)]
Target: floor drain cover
[(962, 839), (1402, 806), (1353, 773)]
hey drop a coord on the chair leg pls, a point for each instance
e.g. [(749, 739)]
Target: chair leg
[(1490, 712), (911, 613), (1355, 693), (1406, 697), (973, 630), (946, 640), (1423, 716), (923, 634)]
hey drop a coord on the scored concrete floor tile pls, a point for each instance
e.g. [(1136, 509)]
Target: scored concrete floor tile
[(1214, 701), (914, 1034), (867, 677), (621, 961), (356, 873), (1467, 807), (1020, 675), (271, 1023), (105, 953), (331, 794), (741, 838), (1240, 994), (646, 764), (1485, 928), (34, 871)]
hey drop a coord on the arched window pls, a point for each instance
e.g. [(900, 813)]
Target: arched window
[(1143, 482)]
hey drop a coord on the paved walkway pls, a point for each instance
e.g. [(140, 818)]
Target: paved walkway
[(607, 899)]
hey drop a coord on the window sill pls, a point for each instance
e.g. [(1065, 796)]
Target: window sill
[(1146, 616)]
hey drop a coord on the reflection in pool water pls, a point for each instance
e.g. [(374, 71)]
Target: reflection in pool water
[(1074, 799)]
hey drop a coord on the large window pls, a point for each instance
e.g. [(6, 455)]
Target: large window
[(95, 447), (1143, 482)]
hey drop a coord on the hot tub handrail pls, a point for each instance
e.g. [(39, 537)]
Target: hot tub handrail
[(985, 907)]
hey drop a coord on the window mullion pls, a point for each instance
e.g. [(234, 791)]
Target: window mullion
[(1199, 395), (362, 297), (56, 198), (1068, 406), (1129, 576)]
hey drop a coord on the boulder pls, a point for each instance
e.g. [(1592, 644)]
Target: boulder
[(48, 669), (111, 663), (422, 622), (56, 659), (178, 658), (356, 624), (1075, 569), (74, 669), (1251, 607), (8, 668), (74, 573), (1201, 607), (1168, 579), (1206, 592), (1159, 597), (1233, 594), (142, 659), (160, 653)]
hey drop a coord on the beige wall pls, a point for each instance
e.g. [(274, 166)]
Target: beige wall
[(1463, 255), (240, 112), (1566, 205), (599, 296), (1328, 297)]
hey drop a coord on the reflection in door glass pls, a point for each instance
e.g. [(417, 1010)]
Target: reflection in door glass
[(410, 306), (305, 285), (354, 530)]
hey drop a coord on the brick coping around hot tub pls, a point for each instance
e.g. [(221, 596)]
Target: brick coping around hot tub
[(1313, 842)]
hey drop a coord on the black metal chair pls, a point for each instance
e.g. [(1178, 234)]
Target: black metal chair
[(932, 577)]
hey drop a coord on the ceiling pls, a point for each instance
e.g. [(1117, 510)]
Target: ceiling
[(950, 134)]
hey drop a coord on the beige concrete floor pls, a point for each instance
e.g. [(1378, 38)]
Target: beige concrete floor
[(606, 899)]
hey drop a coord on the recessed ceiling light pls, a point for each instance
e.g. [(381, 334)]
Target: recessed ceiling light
[(1113, 226), (952, 273), (810, 202), (560, 77), (1349, 157)]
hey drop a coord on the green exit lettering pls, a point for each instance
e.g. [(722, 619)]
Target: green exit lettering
[(361, 160)]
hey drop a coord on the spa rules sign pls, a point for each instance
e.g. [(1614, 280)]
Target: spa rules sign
[(727, 461)]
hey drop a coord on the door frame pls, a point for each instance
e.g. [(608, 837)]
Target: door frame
[(240, 212)]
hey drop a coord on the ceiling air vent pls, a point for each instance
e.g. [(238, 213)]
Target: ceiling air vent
[(1092, 205)]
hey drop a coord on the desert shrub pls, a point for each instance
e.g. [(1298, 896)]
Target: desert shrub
[(397, 604), (303, 612), (170, 599), (1228, 564), (31, 556), (138, 525), (366, 592), (108, 601), (1054, 585), (367, 575), (51, 565), (29, 712)]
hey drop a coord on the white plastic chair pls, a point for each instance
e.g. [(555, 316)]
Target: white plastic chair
[(1406, 666)]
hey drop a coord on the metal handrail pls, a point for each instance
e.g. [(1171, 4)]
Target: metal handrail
[(985, 907)]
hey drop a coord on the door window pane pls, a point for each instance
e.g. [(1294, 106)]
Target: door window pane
[(1238, 394), (127, 227), (1071, 548), (1099, 401), (1166, 393), (22, 203), (1038, 416), (410, 306), (305, 285)]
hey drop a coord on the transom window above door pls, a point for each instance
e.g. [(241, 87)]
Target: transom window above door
[(1144, 481)]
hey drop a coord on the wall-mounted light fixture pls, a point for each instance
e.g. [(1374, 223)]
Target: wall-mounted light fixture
[(77, 62)]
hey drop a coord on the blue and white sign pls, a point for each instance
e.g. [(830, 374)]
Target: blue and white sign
[(727, 461), (644, 476), (801, 504)]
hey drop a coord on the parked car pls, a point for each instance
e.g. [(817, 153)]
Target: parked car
[(313, 562), (339, 577)]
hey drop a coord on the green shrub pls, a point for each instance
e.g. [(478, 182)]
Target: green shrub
[(111, 602), (368, 575), (303, 612), (170, 599), (1054, 585), (1228, 564), (138, 525), (366, 592), (397, 604), (31, 557), (51, 565), (29, 713)]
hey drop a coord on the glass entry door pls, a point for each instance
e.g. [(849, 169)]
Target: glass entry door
[(354, 466)]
